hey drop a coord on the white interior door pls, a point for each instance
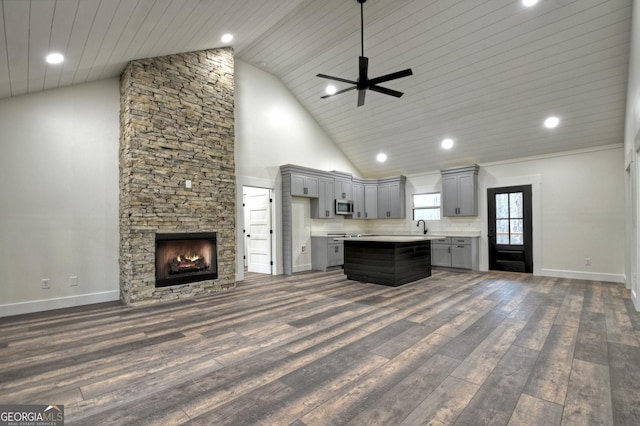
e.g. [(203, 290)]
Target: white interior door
[(258, 229)]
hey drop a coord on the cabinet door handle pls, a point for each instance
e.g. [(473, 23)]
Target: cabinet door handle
[(344, 195), (305, 190), (449, 250), (337, 249)]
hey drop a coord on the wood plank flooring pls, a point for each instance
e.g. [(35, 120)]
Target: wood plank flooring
[(317, 349)]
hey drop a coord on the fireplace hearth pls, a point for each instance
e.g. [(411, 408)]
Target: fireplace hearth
[(185, 258)]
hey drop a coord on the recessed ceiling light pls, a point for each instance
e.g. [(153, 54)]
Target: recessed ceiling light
[(551, 122), (447, 143), (381, 157), (54, 58), (226, 38), (330, 89), (529, 3)]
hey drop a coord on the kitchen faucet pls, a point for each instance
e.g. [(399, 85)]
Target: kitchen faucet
[(424, 228)]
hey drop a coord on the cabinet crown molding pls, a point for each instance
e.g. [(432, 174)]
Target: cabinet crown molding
[(461, 169)]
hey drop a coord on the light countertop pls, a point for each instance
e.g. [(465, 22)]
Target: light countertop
[(391, 238)]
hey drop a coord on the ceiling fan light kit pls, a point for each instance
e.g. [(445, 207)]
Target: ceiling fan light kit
[(363, 83)]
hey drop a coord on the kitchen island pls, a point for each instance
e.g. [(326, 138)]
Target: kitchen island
[(388, 260)]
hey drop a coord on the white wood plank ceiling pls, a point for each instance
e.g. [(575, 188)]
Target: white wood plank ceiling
[(486, 73)]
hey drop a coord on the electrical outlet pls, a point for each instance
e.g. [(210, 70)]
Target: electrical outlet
[(46, 283), (587, 261), (73, 281), (304, 249)]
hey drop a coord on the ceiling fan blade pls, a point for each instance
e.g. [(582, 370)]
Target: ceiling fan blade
[(344, 80), (392, 76), (338, 92), (361, 95), (363, 67), (385, 91)]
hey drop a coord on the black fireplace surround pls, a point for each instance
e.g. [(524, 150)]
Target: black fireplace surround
[(183, 258)]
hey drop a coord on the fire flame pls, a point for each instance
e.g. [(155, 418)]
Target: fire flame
[(191, 258)]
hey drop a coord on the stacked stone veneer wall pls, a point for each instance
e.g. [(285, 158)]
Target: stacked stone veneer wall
[(177, 124)]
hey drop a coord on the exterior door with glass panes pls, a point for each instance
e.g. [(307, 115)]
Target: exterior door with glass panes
[(510, 232)]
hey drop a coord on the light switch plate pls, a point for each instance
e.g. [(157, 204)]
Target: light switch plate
[(187, 184)]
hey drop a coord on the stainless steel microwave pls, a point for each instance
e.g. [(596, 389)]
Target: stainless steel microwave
[(344, 206)]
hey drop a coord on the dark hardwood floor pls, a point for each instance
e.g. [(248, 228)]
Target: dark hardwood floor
[(316, 349)]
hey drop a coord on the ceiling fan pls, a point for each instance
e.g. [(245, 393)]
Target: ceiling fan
[(364, 82)]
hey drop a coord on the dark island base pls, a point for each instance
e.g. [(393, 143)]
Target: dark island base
[(387, 263)]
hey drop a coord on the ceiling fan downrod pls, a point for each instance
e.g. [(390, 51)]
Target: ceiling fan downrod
[(362, 26)]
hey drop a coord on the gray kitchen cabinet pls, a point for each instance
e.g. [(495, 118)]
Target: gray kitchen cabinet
[(461, 256), (371, 201), (304, 186), (455, 252), (326, 253), (441, 252), (460, 191), (391, 198), (343, 188), (358, 201), (323, 206)]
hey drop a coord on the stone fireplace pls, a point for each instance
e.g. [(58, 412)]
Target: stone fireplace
[(177, 173)]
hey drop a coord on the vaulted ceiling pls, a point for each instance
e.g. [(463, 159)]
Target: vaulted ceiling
[(486, 73)]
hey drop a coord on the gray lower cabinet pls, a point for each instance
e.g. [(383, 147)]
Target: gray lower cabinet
[(441, 252), (326, 253), (455, 252)]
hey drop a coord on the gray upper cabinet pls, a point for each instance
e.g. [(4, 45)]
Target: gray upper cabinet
[(460, 191), (372, 198), (371, 201), (358, 201), (391, 198), (343, 188), (323, 206), (304, 185)]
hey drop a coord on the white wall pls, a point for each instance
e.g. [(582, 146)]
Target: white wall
[(578, 208), (59, 201), (59, 198), (59, 162), (272, 128), (578, 211), (631, 163)]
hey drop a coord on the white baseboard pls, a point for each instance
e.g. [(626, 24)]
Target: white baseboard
[(57, 303), (580, 275)]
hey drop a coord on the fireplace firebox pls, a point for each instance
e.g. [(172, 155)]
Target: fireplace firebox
[(185, 258)]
